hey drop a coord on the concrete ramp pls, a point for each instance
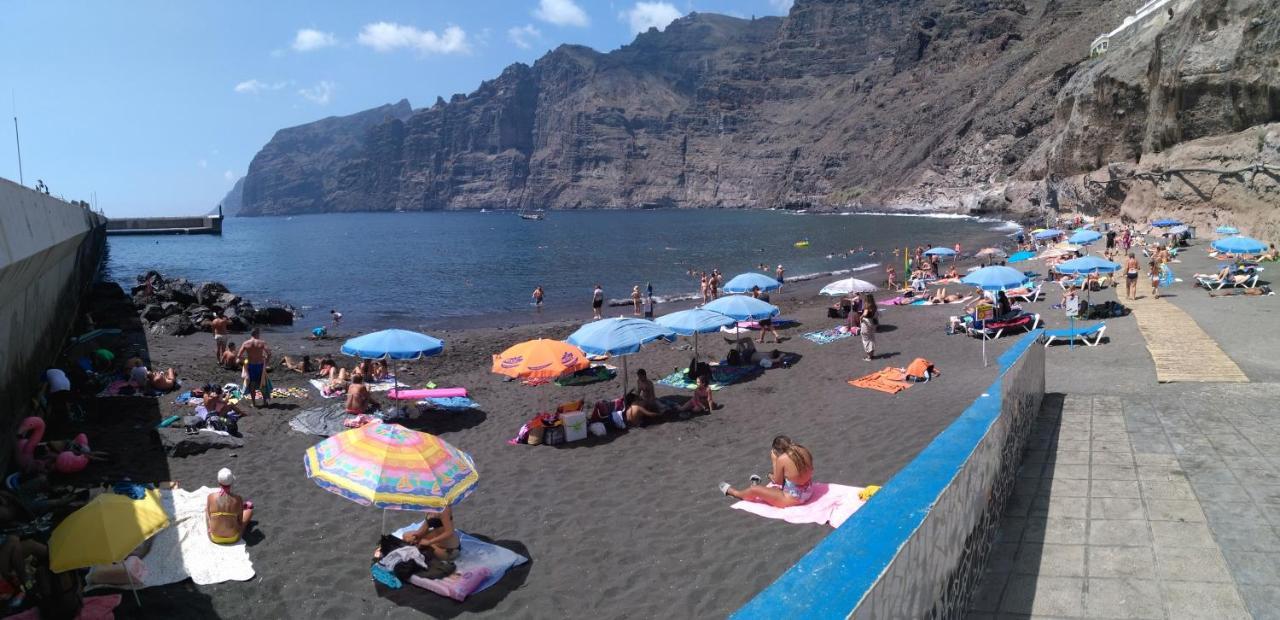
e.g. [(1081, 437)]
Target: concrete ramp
[(1181, 350)]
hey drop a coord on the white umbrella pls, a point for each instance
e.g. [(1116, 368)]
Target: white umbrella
[(848, 286)]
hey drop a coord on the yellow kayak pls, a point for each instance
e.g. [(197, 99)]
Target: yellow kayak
[(802, 244)]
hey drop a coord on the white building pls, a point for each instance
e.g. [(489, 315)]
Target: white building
[(1149, 12)]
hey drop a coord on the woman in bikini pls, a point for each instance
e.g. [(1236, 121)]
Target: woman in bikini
[(227, 514), (790, 480), (701, 401), (437, 538), (1131, 277), (1153, 270)]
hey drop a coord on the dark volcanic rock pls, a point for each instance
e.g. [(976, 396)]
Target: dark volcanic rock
[(273, 316), (208, 292), (176, 325), (153, 312)]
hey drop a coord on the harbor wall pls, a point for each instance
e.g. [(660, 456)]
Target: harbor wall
[(918, 548), (49, 254), (194, 225)]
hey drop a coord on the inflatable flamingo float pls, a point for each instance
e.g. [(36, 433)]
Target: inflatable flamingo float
[(30, 432)]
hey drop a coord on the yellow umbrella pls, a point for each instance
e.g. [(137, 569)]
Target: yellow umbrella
[(105, 530)]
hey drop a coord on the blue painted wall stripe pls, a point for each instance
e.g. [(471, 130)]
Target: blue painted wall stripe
[(834, 577)]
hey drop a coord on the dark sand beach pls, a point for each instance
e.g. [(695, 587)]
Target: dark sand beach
[(626, 526)]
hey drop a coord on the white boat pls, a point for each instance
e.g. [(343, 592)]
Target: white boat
[(532, 215)]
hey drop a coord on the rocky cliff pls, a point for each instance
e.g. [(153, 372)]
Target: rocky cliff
[(234, 199), (963, 105)]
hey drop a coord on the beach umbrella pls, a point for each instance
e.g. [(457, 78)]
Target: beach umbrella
[(996, 278), (992, 252), (393, 344), (1055, 253), (1070, 247), (1048, 234), (847, 286), (540, 359), (1166, 222), (743, 308), (390, 467), (1087, 264), (744, 282), (1227, 230), (940, 251), (1239, 244), (621, 336), (105, 530), (693, 322), (1024, 255), (1084, 236)]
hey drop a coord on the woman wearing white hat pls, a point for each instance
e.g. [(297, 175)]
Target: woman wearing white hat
[(227, 514)]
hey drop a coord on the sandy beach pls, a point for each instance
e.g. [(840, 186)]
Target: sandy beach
[(628, 525)]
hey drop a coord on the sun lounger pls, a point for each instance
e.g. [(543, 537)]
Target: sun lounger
[(990, 330), (1076, 282), (1029, 295), (1080, 333), (1214, 284)]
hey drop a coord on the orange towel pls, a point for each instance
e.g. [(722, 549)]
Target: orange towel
[(891, 380)]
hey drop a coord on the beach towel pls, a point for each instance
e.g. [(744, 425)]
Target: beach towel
[(890, 380), (122, 388), (325, 421), (452, 403), (722, 375), (183, 550), (424, 394), (827, 336), (479, 565), (324, 389), (293, 392), (594, 374), (831, 503), (95, 608)]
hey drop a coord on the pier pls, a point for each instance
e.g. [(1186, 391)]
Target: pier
[(186, 225)]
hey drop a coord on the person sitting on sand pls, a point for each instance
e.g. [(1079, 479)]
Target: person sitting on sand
[(227, 514), (952, 273), (1272, 254), (359, 398), (335, 378), (645, 391), (141, 378), (228, 359), (436, 538), (701, 401), (297, 365), (790, 480), (215, 403), (635, 412), (379, 371)]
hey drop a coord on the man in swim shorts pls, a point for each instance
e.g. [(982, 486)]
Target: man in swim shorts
[(256, 351), (219, 327), (597, 302)]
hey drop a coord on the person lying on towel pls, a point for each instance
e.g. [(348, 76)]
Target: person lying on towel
[(790, 482)]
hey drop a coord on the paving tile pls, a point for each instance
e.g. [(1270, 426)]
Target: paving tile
[(1209, 601), (1060, 506), (1114, 488), (1118, 447), (1190, 564), (1137, 562), (1256, 567), (1047, 596), (1249, 463), (1050, 560), (1067, 445), (1064, 487), (1211, 475), (1195, 462), (1150, 443), (1175, 510), (1119, 533), (1026, 486), (1268, 494), (1166, 489), (1179, 534), (1246, 536), (1227, 513), (1077, 457), (1115, 508), (1215, 492), (1000, 560), (1161, 472), (1233, 444), (1055, 531), (1157, 460), (1075, 472), (1263, 601), (1018, 506), (1123, 598), (1111, 458), (987, 598), (1113, 472)]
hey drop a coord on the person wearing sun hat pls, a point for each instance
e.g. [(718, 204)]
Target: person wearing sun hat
[(227, 514)]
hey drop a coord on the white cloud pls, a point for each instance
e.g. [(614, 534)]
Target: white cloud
[(561, 13), (253, 87), (388, 36), (309, 40), (524, 36), (646, 15), (320, 94), (782, 5), (229, 176)]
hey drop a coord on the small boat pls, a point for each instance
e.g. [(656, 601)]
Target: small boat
[(532, 215), (804, 243)]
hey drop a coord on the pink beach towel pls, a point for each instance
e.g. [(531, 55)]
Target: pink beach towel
[(831, 503), (95, 608), (425, 394)]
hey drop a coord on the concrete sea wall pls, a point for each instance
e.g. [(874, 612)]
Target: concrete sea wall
[(918, 548), (49, 254)]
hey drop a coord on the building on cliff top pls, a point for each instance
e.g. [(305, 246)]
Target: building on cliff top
[(1146, 14)]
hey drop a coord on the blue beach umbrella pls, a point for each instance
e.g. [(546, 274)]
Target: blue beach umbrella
[(1048, 234), (1087, 264), (1239, 245), (622, 337), (742, 308), (1166, 222), (996, 278), (1084, 237), (393, 344), (744, 282), (940, 251), (693, 322), (1018, 257), (1227, 230)]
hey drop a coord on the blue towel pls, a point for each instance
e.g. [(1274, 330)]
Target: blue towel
[(453, 403)]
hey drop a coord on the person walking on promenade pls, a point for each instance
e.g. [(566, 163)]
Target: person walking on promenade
[(256, 354), (1155, 273), (1131, 271)]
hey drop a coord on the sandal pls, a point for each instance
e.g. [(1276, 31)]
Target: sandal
[(755, 479), (724, 488)]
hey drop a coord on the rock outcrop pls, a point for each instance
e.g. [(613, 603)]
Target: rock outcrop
[(963, 105)]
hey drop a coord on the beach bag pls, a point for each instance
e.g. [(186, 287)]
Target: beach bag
[(597, 429), (553, 436), (534, 437), (619, 420), (920, 370)]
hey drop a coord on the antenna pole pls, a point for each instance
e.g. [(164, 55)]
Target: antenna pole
[(14, 100)]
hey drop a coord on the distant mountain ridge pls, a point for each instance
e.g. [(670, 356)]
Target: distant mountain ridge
[(958, 105)]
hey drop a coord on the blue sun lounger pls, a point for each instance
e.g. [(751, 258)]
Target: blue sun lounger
[(1080, 333)]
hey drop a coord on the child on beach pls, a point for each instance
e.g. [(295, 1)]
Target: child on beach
[(1153, 270), (701, 401), (790, 477)]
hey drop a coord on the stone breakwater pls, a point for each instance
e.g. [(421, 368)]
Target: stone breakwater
[(177, 307)]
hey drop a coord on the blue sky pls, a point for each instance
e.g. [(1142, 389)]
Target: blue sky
[(158, 106)]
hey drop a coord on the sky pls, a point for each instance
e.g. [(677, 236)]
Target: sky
[(156, 107)]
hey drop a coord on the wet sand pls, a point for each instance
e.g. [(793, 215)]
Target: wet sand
[(631, 525)]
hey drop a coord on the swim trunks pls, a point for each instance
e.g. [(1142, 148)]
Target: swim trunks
[(219, 337), (255, 374), (597, 303), (802, 493)]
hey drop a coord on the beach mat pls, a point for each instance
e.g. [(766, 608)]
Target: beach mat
[(890, 380), (721, 376), (325, 421), (320, 386), (479, 565), (830, 503), (827, 336), (595, 374), (451, 403)]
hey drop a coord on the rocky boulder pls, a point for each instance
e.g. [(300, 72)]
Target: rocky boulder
[(208, 293), (153, 312), (176, 325), (273, 316)]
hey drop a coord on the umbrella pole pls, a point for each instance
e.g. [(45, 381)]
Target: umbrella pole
[(626, 377), (132, 587), (384, 522), (695, 345)]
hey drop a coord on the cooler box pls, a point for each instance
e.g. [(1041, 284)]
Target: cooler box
[(575, 425)]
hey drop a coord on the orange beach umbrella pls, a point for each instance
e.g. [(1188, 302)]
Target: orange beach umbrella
[(540, 359)]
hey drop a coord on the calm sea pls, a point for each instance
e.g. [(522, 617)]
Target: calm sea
[(415, 269)]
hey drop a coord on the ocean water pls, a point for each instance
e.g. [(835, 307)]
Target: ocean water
[(415, 269)]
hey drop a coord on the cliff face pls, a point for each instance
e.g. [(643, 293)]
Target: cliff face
[(927, 104)]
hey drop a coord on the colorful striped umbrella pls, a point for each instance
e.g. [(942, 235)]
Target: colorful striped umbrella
[(391, 467), (540, 359)]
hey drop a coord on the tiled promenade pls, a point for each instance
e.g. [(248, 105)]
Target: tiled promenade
[(1145, 507)]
